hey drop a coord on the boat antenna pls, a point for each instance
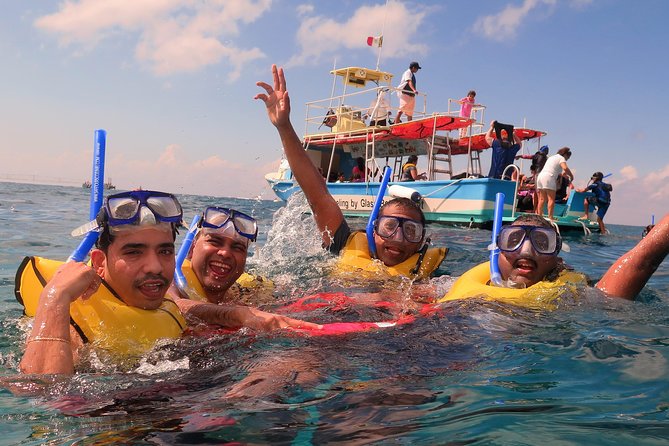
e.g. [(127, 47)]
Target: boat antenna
[(334, 82), (383, 28)]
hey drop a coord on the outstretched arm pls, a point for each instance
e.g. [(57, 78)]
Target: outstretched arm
[(629, 274), (327, 214), (236, 316)]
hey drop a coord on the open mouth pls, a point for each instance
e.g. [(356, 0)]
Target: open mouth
[(153, 288), (219, 269), (525, 266)]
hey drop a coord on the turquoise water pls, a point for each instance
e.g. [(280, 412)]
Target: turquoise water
[(594, 371)]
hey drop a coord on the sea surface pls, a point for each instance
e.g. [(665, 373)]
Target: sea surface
[(593, 371)]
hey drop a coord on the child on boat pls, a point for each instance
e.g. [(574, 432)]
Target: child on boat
[(466, 106)]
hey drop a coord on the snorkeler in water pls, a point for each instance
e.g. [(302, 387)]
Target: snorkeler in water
[(399, 231), (134, 262), (529, 249)]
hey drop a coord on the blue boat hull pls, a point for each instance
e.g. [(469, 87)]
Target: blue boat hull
[(462, 202), (467, 201)]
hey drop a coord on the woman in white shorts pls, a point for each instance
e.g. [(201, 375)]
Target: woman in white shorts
[(555, 167)]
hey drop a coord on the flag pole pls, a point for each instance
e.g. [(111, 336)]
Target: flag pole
[(383, 29)]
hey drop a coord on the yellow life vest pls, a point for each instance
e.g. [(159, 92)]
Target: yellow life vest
[(250, 281), (542, 295), (103, 320), (355, 255)]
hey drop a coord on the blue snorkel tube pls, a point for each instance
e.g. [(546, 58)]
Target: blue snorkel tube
[(495, 275), (375, 210), (97, 192), (179, 277)]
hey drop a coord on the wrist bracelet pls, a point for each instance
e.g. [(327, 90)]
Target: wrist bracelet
[(46, 339)]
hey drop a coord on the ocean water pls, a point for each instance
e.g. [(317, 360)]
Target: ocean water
[(594, 371)]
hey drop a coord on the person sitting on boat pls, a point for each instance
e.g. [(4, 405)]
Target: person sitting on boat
[(505, 145), (400, 227), (563, 189), (526, 192), (379, 109), (547, 180), (531, 269), (358, 172), (119, 302), (600, 198), (407, 92), (409, 171)]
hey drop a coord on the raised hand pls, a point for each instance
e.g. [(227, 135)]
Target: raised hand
[(276, 100)]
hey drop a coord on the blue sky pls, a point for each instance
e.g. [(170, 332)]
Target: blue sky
[(173, 81)]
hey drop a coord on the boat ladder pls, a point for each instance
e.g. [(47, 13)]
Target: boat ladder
[(397, 168), (475, 162), (371, 164), (441, 162)]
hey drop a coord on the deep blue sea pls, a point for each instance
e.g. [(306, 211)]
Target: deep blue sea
[(593, 371)]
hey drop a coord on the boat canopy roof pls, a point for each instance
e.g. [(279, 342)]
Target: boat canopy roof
[(359, 76)]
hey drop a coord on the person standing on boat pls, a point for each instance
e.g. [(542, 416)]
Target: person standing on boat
[(600, 198), (410, 172), (399, 231), (408, 91), (466, 105), (547, 180), (504, 147)]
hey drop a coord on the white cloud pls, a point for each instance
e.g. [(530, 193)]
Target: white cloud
[(629, 173), (304, 9), (504, 25), (173, 35), (320, 36)]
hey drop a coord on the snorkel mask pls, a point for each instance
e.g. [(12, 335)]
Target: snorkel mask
[(127, 210), (229, 223)]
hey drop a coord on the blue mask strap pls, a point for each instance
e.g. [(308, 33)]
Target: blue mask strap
[(97, 192), (375, 210)]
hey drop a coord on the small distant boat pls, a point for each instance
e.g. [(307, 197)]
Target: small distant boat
[(107, 185)]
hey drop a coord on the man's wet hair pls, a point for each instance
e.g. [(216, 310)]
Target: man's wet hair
[(405, 204), (534, 220)]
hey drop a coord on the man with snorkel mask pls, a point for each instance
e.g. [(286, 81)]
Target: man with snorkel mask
[(218, 253), (217, 259), (399, 231), (529, 249), (134, 262)]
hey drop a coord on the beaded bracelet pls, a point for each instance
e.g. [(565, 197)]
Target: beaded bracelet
[(47, 338)]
